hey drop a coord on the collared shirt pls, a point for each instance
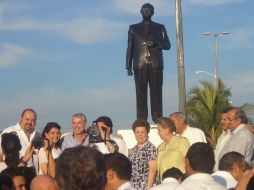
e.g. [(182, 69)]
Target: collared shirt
[(200, 181), (139, 160), (126, 186), (71, 141), (193, 135), (225, 179), (169, 183), (24, 141), (222, 140), (242, 141), (120, 142)]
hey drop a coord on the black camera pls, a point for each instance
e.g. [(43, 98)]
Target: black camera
[(37, 142), (94, 134)]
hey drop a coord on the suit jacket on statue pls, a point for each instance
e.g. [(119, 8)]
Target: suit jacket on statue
[(137, 50)]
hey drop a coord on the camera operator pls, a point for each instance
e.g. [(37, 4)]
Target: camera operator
[(110, 143)]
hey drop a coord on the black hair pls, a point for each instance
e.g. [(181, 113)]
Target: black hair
[(120, 164), (28, 109), (227, 160), (106, 120), (172, 172), (201, 157), (11, 146), (50, 126)]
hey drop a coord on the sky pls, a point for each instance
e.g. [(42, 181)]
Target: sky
[(62, 57)]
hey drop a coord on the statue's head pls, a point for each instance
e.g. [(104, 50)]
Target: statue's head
[(147, 11)]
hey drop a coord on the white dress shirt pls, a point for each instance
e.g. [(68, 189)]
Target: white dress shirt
[(126, 186), (169, 183), (225, 179), (120, 142), (193, 135), (222, 140), (200, 181), (25, 142)]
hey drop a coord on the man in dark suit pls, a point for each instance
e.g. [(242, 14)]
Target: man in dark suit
[(146, 40)]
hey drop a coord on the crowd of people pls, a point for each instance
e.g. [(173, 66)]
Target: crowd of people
[(95, 159)]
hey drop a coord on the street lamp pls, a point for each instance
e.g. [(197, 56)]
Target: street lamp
[(199, 71), (216, 69)]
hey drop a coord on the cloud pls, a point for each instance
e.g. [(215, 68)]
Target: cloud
[(83, 30), (241, 38), (80, 30), (161, 7), (213, 2), (242, 87), (11, 54)]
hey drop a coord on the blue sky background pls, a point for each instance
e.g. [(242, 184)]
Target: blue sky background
[(61, 57)]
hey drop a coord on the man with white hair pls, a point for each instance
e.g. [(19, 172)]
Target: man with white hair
[(184, 130)]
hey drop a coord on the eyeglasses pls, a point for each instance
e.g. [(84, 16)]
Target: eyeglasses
[(231, 119)]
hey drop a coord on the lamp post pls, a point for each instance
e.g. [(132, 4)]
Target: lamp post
[(180, 57), (216, 67), (210, 74)]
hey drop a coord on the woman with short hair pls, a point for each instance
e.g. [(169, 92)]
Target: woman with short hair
[(143, 157), (172, 151)]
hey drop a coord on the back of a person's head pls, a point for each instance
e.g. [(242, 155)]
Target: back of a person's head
[(201, 157), (172, 172), (44, 182), (29, 173), (12, 172), (250, 185), (10, 143), (5, 182), (81, 168), (229, 159), (11, 146), (120, 164)]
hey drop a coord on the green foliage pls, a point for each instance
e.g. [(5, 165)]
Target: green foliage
[(204, 107)]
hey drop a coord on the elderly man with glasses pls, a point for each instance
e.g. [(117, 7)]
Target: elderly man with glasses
[(241, 140)]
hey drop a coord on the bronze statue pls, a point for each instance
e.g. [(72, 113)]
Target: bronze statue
[(146, 40)]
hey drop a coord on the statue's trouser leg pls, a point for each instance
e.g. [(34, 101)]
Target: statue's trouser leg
[(141, 83), (155, 78)]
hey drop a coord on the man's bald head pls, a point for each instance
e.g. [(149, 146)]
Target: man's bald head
[(43, 182)]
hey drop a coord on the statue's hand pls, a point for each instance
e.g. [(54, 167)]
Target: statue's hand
[(150, 43), (129, 72)]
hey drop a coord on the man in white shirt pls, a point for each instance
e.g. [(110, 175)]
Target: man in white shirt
[(111, 143), (231, 167), (199, 165), (223, 138), (171, 178), (241, 140), (182, 129), (25, 129), (118, 172)]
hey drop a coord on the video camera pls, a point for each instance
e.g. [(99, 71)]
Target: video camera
[(37, 142), (94, 133)]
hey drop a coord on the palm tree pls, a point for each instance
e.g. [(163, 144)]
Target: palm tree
[(204, 107)]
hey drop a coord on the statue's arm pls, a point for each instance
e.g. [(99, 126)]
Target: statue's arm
[(129, 53), (164, 43)]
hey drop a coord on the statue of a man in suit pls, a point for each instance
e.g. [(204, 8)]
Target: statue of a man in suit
[(146, 40)]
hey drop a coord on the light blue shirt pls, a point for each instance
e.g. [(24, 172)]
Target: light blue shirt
[(70, 141)]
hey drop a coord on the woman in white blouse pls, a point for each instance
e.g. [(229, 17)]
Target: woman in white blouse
[(51, 149)]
